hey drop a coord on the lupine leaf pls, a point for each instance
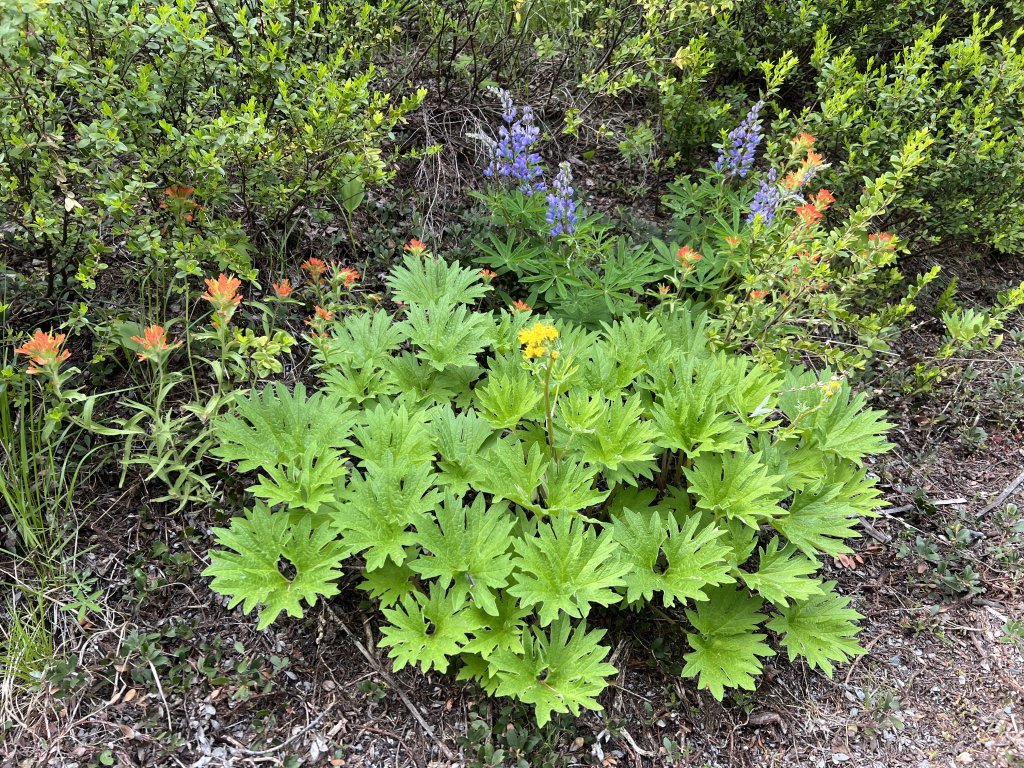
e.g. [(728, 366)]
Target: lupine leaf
[(566, 567), (726, 644), (821, 629), (562, 670), (248, 569)]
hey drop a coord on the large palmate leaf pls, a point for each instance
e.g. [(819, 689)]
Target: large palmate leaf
[(426, 631), (307, 483), (376, 512), (506, 399), (692, 416), (622, 442), (569, 487), (458, 440), (273, 427), (821, 629), (448, 336), (432, 282), (506, 472), (398, 432), (468, 546), (566, 567), (259, 547), (783, 575), (842, 427), (735, 486), (560, 671), (820, 520), (681, 563), (499, 631), (726, 644)]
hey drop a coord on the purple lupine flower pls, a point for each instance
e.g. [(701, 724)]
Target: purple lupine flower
[(512, 152), (766, 200), (561, 214), (737, 157)]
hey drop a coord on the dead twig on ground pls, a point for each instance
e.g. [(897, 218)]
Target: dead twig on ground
[(1007, 492), (390, 680)]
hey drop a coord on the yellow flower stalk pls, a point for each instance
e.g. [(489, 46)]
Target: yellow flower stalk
[(538, 340)]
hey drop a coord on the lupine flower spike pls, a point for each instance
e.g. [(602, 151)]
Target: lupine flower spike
[(222, 293), (737, 157), (45, 353), (154, 344), (512, 154), (767, 199), (561, 215)]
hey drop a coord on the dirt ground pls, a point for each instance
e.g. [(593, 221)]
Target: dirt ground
[(164, 675)]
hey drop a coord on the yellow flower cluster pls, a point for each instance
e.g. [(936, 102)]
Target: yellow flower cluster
[(831, 387), (537, 340)]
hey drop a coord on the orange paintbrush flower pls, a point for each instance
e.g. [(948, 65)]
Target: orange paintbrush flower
[(282, 289), (809, 214), (314, 267), (348, 275), (44, 352), (521, 306), (222, 293), (881, 240), (488, 275), (154, 343), (687, 257), (416, 246)]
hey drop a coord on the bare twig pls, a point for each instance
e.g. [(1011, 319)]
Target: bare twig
[(908, 507), (393, 684), (1007, 492)]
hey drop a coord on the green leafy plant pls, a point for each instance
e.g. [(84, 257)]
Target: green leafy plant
[(172, 134), (597, 487)]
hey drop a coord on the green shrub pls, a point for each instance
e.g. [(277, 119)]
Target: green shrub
[(499, 478), (156, 136), (782, 268), (869, 76)]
